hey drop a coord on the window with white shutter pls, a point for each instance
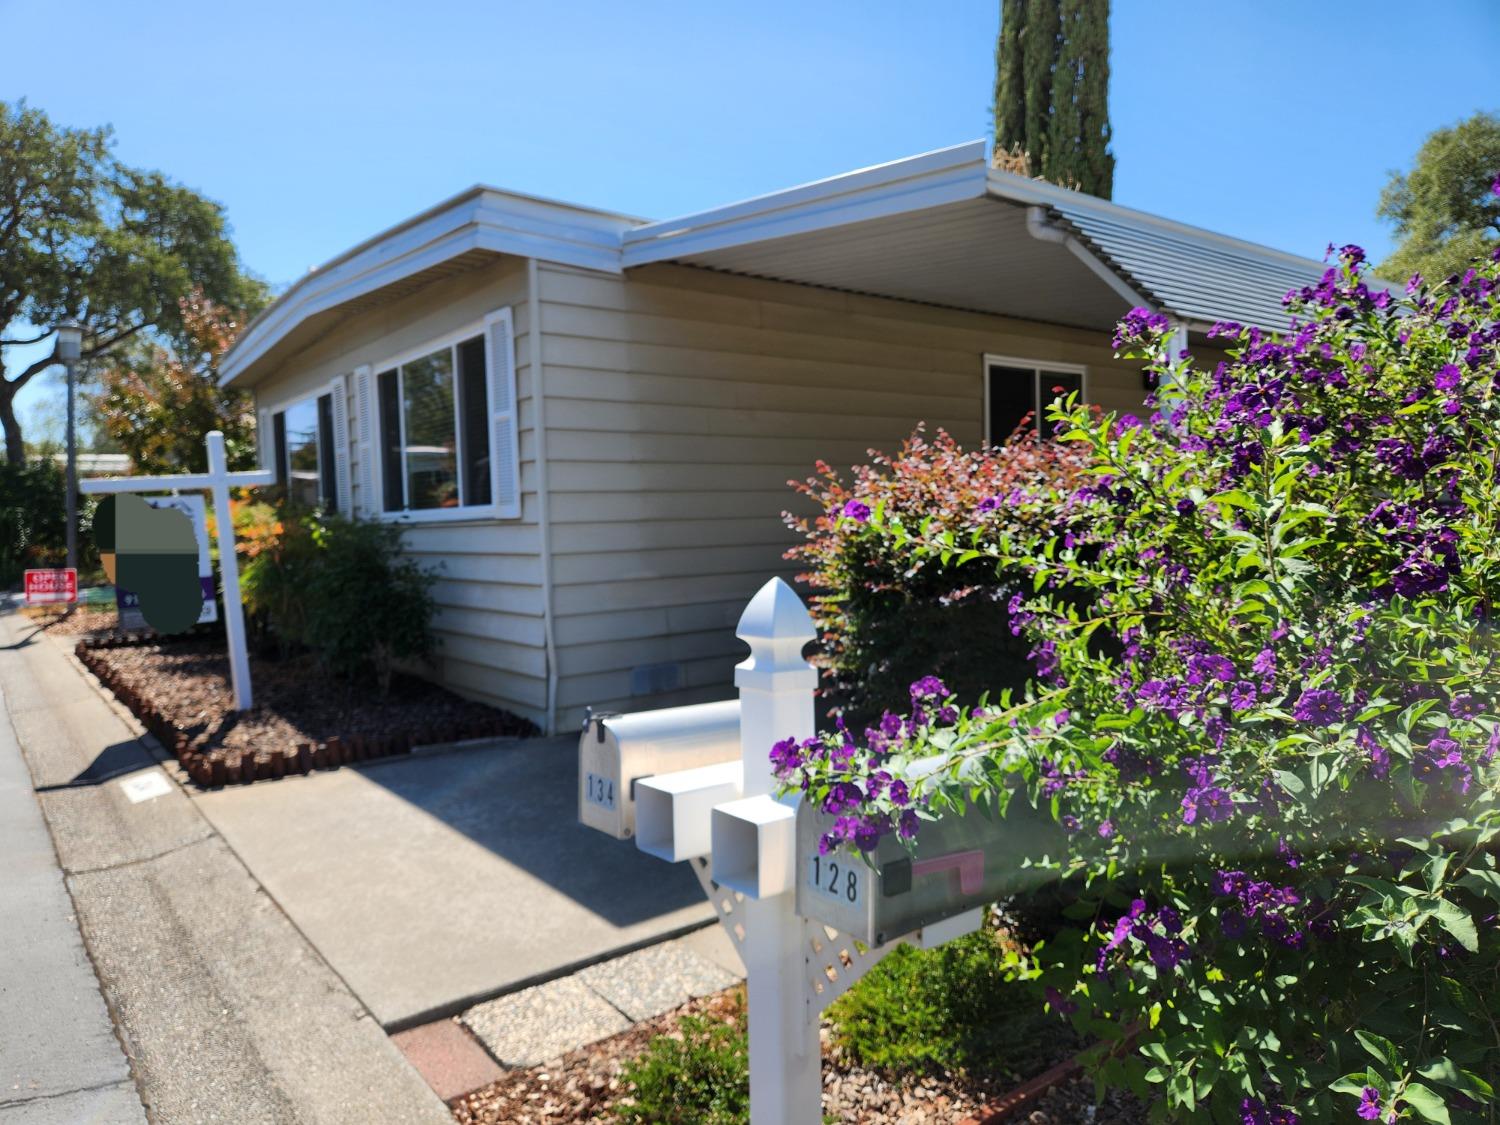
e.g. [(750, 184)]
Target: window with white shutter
[(442, 427)]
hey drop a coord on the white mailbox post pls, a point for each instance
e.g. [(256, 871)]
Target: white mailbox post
[(218, 480), (742, 843)]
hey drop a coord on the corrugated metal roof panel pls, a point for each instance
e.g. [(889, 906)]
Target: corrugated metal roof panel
[(1195, 280)]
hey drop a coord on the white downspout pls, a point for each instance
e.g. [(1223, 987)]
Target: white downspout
[(543, 497), (1041, 227)]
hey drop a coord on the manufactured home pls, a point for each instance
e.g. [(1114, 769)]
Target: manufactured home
[(589, 419)]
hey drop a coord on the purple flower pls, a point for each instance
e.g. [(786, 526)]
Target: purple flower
[(1369, 1104), (928, 687), (1447, 377), (1443, 754), (1265, 663), (1465, 706), (1106, 828), (1186, 508), (1210, 802), (1320, 707), (989, 503), (1242, 696), (906, 826), (899, 795), (1060, 1003), (857, 511), (842, 796), (1070, 823)]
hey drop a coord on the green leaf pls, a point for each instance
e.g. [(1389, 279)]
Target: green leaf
[(1426, 1102), (1458, 922), (1381, 1048)]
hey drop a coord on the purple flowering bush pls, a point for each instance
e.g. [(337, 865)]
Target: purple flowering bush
[(1264, 711)]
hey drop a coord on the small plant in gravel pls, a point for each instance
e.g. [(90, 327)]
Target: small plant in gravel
[(700, 1076)]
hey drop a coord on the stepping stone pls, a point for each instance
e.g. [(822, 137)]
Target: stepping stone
[(539, 1024), (657, 979), (448, 1057)]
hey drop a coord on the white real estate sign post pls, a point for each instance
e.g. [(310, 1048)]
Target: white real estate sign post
[(218, 481)]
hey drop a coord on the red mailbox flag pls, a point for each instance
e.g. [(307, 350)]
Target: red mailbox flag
[(51, 587)]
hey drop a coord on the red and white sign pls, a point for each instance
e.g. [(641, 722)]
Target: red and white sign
[(51, 587)]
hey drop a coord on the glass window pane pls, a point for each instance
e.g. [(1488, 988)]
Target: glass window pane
[(474, 402), (1012, 397), (328, 488), (302, 453), (1054, 387), (390, 440), (431, 442)]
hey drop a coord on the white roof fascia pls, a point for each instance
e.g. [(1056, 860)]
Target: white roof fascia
[(478, 219), (932, 179), (1021, 189)]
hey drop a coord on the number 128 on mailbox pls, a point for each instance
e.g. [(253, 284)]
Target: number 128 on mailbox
[(837, 877)]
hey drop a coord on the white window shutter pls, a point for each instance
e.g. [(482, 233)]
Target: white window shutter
[(505, 453), (343, 486), (364, 438), (265, 442)]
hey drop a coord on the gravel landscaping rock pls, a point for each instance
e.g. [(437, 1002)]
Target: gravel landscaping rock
[(542, 1023), (656, 980)]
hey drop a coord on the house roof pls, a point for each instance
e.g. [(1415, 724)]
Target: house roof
[(942, 228)]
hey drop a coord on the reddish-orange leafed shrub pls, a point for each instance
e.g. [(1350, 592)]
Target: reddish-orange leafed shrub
[(888, 617)]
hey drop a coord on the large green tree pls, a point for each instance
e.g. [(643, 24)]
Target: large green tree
[(1052, 92), (1445, 210), (156, 401), (83, 236)]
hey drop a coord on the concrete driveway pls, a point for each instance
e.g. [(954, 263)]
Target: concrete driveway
[(431, 882)]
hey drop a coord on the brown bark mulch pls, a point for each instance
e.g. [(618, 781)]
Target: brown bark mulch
[(303, 718), (586, 1085)]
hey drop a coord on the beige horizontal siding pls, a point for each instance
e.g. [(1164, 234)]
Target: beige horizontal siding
[(490, 609), (680, 402)]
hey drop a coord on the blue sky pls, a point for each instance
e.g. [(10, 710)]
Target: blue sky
[(317, 124)]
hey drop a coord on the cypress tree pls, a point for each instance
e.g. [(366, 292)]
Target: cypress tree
[(1052, 92)]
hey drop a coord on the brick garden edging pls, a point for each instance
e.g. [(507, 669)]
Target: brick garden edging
[(262, 763)]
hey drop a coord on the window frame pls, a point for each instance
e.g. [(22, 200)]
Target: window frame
[(277, 409), (1037, 366), (450, 341)]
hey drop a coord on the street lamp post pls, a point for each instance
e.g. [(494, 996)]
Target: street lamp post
[(69, 348)]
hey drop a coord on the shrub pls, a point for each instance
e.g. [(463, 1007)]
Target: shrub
[(367, 606), (277, 558), (887, 614), (33, 527), (703, 1078), (955, 1008), (339, 587), (1279, 786)]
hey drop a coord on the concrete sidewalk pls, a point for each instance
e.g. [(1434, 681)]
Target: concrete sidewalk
[(226, 1011), (59, 1058), (436, 881)]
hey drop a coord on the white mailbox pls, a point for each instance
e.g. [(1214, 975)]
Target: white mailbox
[(617, 751), (960, 863)]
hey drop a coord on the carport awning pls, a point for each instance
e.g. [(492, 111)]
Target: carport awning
[(945, 229)]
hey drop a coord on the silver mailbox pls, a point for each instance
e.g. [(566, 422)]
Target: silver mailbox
[(616, 751), (960, 862)]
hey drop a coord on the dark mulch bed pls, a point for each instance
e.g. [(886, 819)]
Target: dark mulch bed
[(585, 1086), (302, 719)]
